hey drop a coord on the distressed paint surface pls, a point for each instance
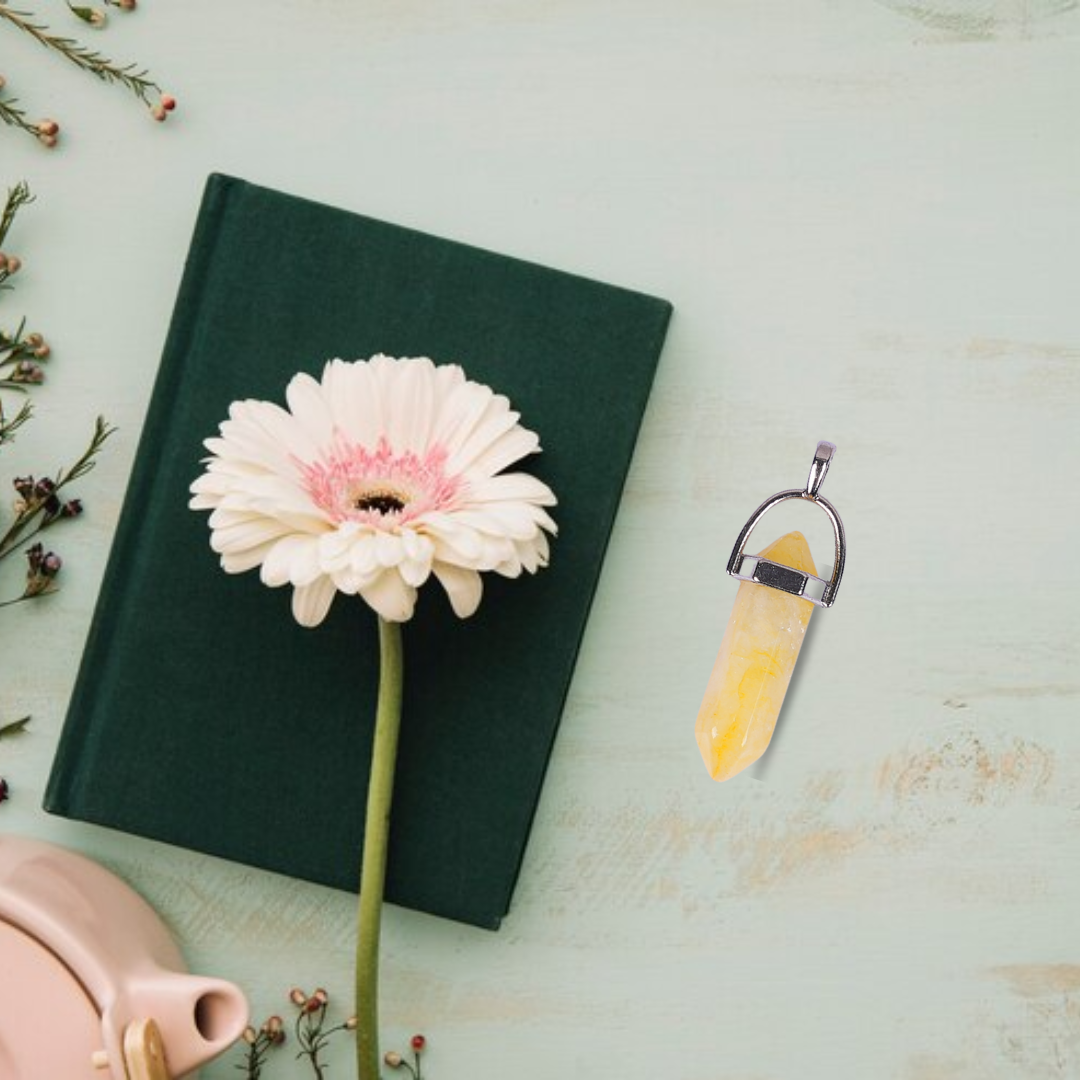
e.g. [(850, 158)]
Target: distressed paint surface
[(867, 214)]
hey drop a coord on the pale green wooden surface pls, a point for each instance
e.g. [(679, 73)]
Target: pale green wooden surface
[(868, 217)]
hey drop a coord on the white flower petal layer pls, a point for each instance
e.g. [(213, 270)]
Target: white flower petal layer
[(379, 475)]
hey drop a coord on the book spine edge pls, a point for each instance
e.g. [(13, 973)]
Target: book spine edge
[(62, 793)]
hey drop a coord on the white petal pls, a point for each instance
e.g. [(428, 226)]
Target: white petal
[(506, 486), (532, 555), (225, 515), (415, 571), (411, 405), (418, 552), (245, 535), (260, 435), (545, 521), (312, 524), (363, 558), (478, 432), (304, 565), (335, 546), (278, 565), (415, 545), (355, 403), (310, 603), (279, 429), (450, 533), (496, 550), (241, 562), (542, 549), (309, 408), (512, 519), (463, 587), (448, 377), (345, 581), (390, 597), (388, 548), (210, 488), (515, 444)]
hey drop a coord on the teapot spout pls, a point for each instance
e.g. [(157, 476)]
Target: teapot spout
[(198, 1017)]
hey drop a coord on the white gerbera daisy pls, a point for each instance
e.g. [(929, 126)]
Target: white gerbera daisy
[(384, 472)]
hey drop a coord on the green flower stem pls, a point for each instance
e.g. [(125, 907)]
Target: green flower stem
[(376, 835)]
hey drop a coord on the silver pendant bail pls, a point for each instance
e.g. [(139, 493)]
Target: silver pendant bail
[(785, 578), (823, 456)]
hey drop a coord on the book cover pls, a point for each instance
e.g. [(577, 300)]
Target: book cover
[(203, 715)]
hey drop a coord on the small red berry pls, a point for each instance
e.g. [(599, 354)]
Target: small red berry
[(418, 1043), (168, 102)]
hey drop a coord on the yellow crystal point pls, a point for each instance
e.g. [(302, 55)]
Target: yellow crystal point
[(752, 672)]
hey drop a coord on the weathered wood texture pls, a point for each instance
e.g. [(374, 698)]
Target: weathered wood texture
[(868, 216)]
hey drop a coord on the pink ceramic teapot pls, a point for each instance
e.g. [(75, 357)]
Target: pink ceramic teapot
[(92, 985)]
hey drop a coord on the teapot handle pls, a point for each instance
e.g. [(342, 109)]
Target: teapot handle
[(144, 1054)]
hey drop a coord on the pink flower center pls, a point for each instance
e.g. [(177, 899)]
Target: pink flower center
[(378, 487)]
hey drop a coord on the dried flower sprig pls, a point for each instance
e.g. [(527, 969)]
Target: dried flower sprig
[(45, 131), (38, 507), (397, 1061), (38, 504), (258, 1044), (13, 727), (310, 1031), (312, 1034), (135, 79), (17, 198), (94, 17), (20, 353)]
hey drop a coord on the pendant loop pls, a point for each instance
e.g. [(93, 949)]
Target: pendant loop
[(785, 578), (819, 467)]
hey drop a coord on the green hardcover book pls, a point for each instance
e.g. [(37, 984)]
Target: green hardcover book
[(203, 715)]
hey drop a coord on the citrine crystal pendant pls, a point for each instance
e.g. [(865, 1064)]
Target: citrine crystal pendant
[(779, 591)]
